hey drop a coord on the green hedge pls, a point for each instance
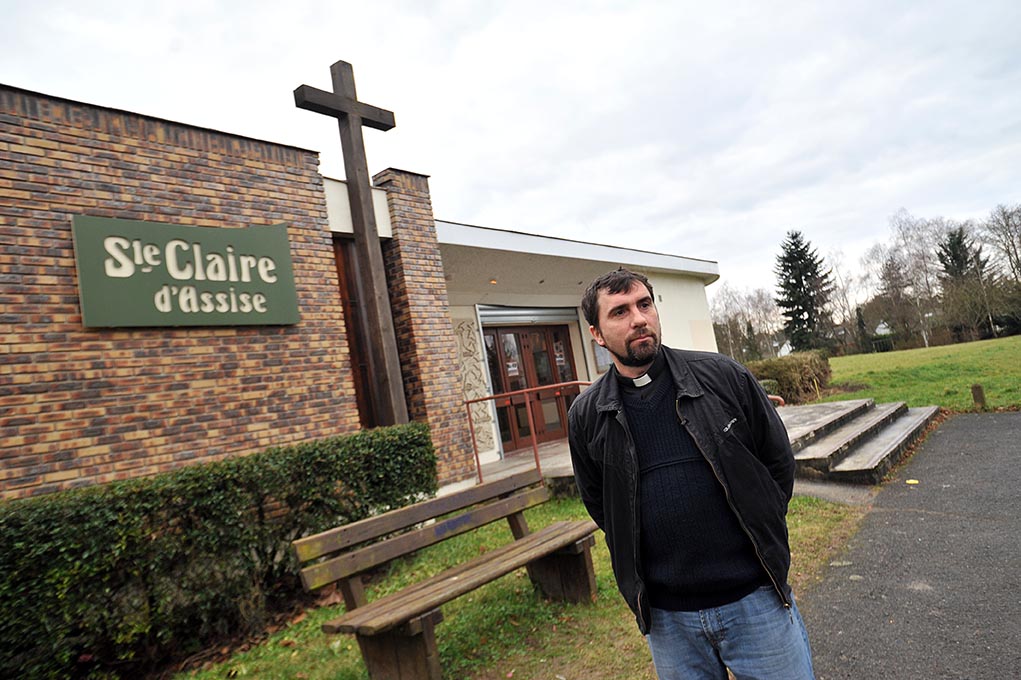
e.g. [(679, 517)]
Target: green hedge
[(110, 581), (798, 377)]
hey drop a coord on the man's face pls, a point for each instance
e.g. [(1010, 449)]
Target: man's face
[(629, 328)]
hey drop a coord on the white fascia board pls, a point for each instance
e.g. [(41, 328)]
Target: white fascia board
[(338, 208), (453, 233)]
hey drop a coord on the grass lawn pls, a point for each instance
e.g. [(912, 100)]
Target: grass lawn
[(940, 376), (504, 629)]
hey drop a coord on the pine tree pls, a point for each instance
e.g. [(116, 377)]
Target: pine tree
[(959, 258), (863, 332), (803, 286), (966, 306), (751, 343)]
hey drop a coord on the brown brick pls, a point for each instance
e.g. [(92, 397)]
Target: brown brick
[(116, 403), (425, 335)]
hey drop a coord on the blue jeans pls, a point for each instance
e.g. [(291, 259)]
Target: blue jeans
[(755, 637)]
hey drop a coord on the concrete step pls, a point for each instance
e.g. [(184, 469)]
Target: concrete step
[(872, 459), (826, 451), (805, 424)]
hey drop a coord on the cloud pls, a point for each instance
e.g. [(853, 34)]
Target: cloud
[(705, 131)]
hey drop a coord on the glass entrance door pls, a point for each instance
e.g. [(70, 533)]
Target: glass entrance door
[(525, 357)]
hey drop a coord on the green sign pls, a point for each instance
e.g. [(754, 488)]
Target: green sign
[(138, 274)]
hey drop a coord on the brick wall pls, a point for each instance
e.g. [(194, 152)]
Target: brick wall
[(83, 406), (425, 334)]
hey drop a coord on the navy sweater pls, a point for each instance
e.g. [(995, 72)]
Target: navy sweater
[(694, 554)]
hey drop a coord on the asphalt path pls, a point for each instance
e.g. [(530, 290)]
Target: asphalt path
[(930, 587)]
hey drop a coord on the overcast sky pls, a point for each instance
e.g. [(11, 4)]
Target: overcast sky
[(692, 128)]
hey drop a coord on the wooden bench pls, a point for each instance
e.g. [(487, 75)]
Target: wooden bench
[(396, 633)]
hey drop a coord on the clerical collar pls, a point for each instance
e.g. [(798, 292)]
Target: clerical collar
[(649, 376), (642, 380)]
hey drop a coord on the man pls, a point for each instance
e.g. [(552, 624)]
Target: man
[(682, 461)]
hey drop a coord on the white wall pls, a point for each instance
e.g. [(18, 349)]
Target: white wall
[(683, 312), (338, 209)]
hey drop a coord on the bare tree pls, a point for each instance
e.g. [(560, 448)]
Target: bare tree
[(724, 310), (894, 299), (896, 289), (924, 302), (1002, 231), (746, 323), (766, 319), (844, 300), (916, 240)]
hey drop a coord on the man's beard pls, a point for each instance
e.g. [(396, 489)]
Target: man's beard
[(641, 354)]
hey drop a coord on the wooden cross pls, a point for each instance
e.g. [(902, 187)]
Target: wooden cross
[(371, 290)]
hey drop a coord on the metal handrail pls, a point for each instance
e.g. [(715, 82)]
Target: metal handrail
[(531, 421)]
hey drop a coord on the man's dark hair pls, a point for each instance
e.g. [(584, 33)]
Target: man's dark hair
[(618, 281)]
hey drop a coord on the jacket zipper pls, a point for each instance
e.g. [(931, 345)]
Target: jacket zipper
[(730, 502), (635, 537)]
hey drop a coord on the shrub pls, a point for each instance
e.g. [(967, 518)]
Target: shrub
[(798, 377), (109, 581), (771, 386)]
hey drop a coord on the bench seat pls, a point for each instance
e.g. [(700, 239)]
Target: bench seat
[(421, 598), (397, 632)]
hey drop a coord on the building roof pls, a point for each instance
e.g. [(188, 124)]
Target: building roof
[(457, 234)]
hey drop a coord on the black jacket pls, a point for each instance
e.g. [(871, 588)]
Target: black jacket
[(735, 427)]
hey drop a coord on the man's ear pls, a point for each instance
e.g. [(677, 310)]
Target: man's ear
[(597, 335)]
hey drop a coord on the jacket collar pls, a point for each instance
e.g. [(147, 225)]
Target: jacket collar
[(608, 397)]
